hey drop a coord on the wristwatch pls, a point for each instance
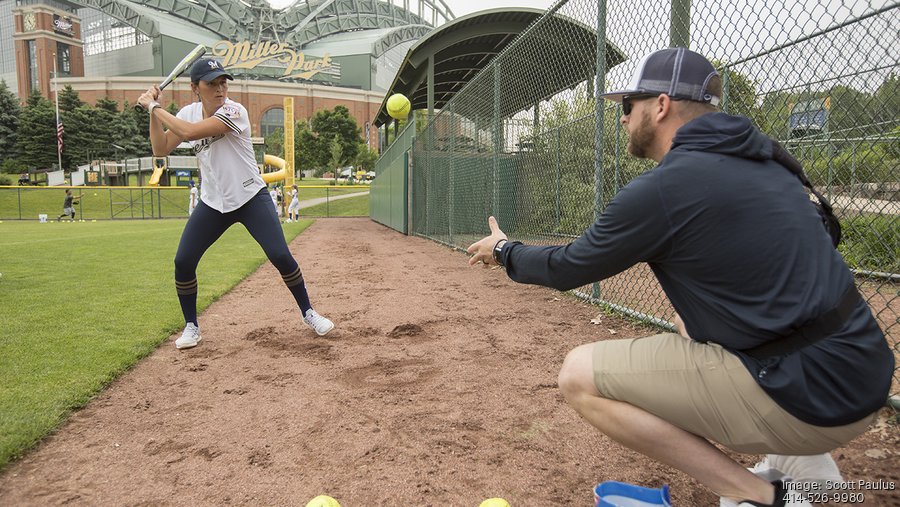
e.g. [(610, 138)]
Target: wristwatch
[(153, 105), (498, 248)]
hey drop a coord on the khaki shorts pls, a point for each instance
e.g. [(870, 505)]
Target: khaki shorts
[(704, 389)]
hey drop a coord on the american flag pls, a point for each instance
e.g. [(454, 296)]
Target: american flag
[(59, 135)]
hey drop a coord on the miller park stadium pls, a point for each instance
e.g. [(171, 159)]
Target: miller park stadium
[(319, 53)]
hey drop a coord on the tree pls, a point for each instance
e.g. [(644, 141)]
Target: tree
[(9, 122), (135, 137), (336, 150), (275, 142), (36, 139), (306, 148), (851, 113), (69, 100), (887, 101), (366, 159), (108, 128), (740, 93), (775, 112), (315, 143), (82, 134)]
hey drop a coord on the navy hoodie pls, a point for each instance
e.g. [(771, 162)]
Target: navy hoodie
[(743, 256)]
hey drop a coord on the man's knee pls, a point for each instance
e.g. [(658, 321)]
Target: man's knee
[(576, 377)]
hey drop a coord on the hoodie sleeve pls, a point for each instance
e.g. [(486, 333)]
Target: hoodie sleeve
[(633, 228)]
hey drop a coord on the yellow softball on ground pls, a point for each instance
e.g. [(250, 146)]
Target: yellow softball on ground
[(494, 502), (398, 106), (323, 501)]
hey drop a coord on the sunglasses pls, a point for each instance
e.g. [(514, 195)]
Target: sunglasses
[(627, 104)]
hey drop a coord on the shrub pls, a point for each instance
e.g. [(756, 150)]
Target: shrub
[(867, 162), (871, 242)]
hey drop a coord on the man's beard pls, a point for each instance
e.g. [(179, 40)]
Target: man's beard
[(641, 138)]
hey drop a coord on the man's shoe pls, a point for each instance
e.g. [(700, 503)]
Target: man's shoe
[(190, 337), (318, 323), (819, 469)]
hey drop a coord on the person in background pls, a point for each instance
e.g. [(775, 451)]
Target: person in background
[(274, 195), (294, 208), (68, 206), (194, 198)]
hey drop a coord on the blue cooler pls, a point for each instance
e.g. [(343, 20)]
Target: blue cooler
[(621, 494)]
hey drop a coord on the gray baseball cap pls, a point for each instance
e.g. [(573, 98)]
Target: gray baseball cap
[(678, 72)]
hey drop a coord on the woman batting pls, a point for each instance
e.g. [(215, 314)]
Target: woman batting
[(218, 130)]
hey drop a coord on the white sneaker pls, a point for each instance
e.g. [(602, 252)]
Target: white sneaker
[(820, 469), (190, 337), (318, 323)]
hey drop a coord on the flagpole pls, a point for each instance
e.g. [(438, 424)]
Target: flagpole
[(56, 93)]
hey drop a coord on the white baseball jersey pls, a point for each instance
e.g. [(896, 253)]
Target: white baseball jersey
[(295, 202), (227, 164)]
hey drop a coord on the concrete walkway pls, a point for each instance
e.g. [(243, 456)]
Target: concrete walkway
[(308, 203), (865, 204)]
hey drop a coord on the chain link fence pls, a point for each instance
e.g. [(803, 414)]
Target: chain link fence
[(94, 203), (135, 203), (527, 141)]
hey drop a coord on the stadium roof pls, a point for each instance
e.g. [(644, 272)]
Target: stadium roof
[(463, 47), (299, 24)]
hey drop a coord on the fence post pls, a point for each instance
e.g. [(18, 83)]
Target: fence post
[(599, 88), (680, 24), (725, 89), (558, 184), (450, 192), (19, 195), (497, 141), (618, 174)]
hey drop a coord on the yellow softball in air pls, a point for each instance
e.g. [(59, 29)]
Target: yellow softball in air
[(398, 106), (323, 501), (494, 502)]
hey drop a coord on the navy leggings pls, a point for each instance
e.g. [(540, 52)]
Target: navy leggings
[(206, 225)]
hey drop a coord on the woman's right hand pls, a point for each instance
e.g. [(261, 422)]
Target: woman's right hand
[(151, 95)]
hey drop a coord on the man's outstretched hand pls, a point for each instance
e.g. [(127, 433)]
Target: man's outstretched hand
[(483, 250)]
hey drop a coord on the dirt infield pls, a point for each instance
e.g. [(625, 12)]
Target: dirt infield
[(437, 388)]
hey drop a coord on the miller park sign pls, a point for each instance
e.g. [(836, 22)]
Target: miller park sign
[(247, 55)]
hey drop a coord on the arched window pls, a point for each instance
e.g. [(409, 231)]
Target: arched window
[(272, 119)]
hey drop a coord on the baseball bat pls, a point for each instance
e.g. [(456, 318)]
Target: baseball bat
[(179, 69)]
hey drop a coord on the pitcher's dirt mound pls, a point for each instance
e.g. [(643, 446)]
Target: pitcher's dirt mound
[(436, 388)]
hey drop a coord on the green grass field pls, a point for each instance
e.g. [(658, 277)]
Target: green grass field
[(82, 302)]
